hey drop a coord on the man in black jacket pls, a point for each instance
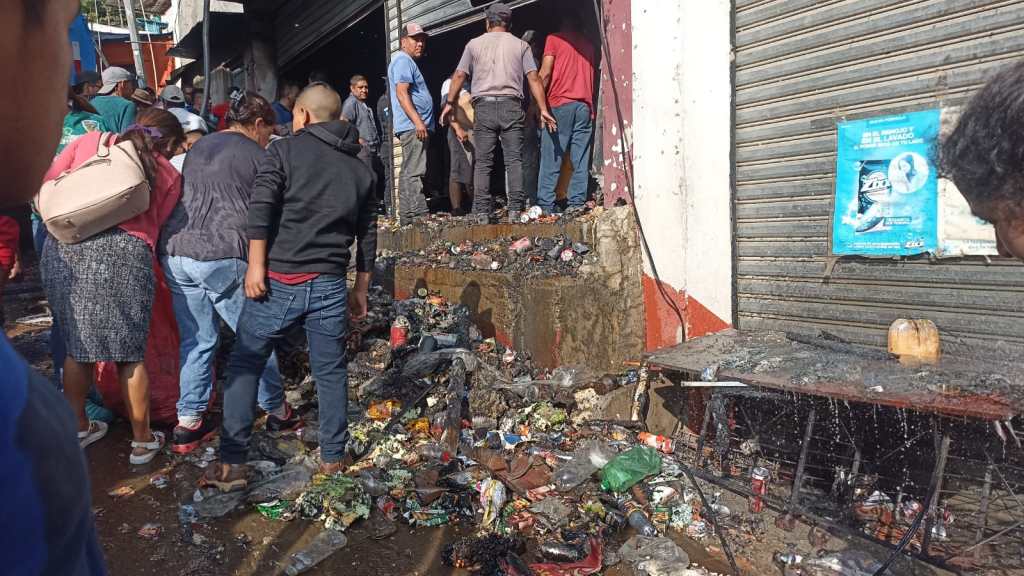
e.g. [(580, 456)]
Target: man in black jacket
[(313, 196)]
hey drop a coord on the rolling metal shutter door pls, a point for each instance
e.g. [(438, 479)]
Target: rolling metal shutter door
[(302, 26), (803, 65)]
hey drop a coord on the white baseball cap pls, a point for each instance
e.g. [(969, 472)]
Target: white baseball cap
[(189, 122), (112, 76)]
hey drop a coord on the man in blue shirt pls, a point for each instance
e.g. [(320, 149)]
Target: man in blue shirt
[(413, 110), (46, 520), (287, 95)]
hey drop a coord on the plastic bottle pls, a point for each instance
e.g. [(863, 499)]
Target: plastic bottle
[(326, 543), (638, 519), (561, 552), (371, 485), (433, 451), (572, 473), (599, 453)]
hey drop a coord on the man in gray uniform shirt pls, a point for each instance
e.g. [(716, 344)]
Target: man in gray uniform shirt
[(497, 62)]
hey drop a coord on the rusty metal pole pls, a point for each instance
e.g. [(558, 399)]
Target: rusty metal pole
[(986, 493), (703, 431), (936, 489), (798, 480)]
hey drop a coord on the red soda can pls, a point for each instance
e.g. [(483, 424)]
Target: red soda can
[(759, 477), (659, 443), (399, 332)]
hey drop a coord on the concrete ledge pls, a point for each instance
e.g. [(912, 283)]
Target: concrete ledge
[(595, 318)]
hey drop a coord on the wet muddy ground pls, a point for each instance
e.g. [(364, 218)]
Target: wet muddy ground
[(127, 500), (246, 543)]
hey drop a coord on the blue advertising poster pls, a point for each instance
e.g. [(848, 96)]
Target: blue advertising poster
[(886, 201)]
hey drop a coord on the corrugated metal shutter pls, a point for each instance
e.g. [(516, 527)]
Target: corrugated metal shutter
[(302, 26), (801, 65)]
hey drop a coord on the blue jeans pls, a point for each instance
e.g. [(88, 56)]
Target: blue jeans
[(58, 349), (201, 292), (575, 128), (321, 307)]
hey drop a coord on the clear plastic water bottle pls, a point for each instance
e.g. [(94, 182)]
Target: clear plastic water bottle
[(326, 543)]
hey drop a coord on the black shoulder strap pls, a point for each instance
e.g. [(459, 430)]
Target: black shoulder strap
[(324, 135)]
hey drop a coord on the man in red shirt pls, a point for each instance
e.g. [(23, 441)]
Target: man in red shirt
[(567, 72)]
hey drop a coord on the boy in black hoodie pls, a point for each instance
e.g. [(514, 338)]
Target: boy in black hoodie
[(311, 199)]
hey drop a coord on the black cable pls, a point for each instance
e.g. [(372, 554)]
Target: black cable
[(206, 58), (628, 161), (906, 537), (710, 512)]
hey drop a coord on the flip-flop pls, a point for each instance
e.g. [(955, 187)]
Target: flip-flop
[(151, 449), (96, 431)]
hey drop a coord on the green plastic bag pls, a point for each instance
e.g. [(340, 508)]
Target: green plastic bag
[(630, 467)]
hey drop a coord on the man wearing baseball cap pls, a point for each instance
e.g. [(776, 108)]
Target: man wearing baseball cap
[(497, 63), (172, 97), (88, 83), (113, 101), (413, 110)]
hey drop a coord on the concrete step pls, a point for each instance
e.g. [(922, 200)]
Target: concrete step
[(594, 318)]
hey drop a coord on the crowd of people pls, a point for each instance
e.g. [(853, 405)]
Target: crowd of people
[(499, 93), (257, 232), (243, 230), (242, 226)]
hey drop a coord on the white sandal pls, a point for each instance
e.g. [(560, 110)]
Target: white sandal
[(95, 431), (151, 449)]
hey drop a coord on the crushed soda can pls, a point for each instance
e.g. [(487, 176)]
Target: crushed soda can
[(697, 530), (275, 509), (520, 246), (658, 442), (399, 332), (383, 410), (759, 477), (150, 531), (159, 481)]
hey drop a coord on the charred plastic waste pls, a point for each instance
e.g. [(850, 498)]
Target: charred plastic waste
[(452, 428), (523, 256)]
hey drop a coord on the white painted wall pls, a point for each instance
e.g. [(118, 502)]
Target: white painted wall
[(681, 143)]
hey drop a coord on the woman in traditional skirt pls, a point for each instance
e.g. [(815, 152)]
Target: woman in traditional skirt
[(101, 289)]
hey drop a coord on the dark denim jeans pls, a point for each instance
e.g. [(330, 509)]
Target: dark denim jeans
[(498, 119), (58, 349), (575, 129), (321, 307)]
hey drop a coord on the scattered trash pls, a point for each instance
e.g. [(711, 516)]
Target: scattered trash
[(121, 492), (275, 509), (654, 556), (150, 531), (322, 547), (159, 481), (629, 468)]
